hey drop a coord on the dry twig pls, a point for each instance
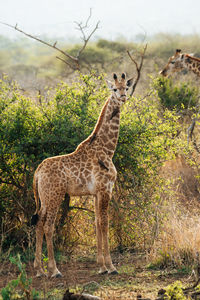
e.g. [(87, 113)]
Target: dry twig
[(190, 131), (85, 38), (138, 67)]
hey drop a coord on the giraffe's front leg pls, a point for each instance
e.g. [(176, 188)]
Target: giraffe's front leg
[(100, 257), (103, 199)]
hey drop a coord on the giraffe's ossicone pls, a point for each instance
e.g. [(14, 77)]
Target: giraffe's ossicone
[(89, 170)]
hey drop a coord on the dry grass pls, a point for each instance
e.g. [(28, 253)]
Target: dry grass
[(178, 243)]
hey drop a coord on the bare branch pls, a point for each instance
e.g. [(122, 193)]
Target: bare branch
[(88, 19), (133, 60), (81, 30), (81, 208), (138, 67), (66, 62), (74, 59), (84, 38), (190, 131), (80, 26)]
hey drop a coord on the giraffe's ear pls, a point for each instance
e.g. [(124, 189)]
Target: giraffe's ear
[(110, 85), (129, 82), (177, 52)]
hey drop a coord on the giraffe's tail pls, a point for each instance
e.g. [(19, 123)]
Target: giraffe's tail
[(35, 217)]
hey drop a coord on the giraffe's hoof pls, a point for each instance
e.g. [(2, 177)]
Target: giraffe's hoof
[(103, 273), (57, 275), (113, 272), (41, 274)]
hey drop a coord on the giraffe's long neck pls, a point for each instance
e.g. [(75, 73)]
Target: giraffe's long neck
[(106, 131), (193, 64)]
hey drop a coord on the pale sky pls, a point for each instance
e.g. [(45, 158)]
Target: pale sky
[(127, 17)]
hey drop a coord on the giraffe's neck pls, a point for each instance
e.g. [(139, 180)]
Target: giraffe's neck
[(106, 131), (193, 64)]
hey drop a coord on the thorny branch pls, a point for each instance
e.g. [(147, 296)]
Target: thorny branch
[(74, 61), (138, 67)]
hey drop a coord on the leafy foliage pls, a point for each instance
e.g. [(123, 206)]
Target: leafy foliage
[(92, 57), (175, 291), (112, 45), (31, 132), (22, 282), (146, 140), (176, 96)]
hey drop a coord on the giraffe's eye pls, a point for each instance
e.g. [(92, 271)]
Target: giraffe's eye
[(114, 90), (172, 62), (127, 89)]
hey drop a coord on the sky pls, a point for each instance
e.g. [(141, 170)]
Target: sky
[(127, 18)]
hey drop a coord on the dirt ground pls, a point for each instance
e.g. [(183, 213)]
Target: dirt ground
[(81, 275)]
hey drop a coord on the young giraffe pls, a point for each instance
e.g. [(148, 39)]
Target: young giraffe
[(89, 170), (180, 61)]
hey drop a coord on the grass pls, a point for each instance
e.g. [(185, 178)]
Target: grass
[(179, 242), (127, 269)]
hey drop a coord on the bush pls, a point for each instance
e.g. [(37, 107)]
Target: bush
[(178, 96), (92, 57), (112, 45), (30, 133), (147, 139)]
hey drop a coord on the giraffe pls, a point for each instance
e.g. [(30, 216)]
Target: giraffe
[(88, 170), (180, 61)]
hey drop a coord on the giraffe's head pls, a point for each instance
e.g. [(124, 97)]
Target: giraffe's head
[(175, 63), (120, 87)]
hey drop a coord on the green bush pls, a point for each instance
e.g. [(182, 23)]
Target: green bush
[(147, 139), (31, 132), (179, 96), (112, 45), (92, 57)]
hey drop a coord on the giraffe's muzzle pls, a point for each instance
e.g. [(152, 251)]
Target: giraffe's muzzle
[(163, 72)]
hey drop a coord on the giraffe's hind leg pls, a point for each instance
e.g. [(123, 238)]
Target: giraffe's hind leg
[(39, 242), (49, 230)]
